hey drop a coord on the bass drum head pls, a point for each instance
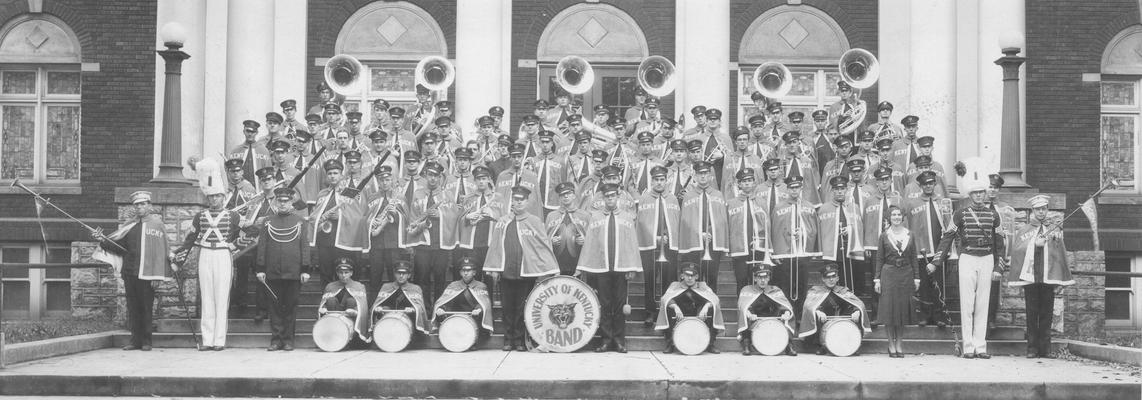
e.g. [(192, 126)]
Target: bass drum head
[(691, 336), (841, 336), (561, 314), (393, 332), (332, 332), (458, 333), (769, 336)]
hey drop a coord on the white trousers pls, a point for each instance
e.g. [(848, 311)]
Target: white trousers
[(975, 290), (215, 270)]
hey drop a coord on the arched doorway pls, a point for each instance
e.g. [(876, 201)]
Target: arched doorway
[(608, 38), (805, 39)]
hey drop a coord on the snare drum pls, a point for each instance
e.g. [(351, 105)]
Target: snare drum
[(458, 332), (333, 331), (392, 332), (691, 336), (769, 336), (841, 336)]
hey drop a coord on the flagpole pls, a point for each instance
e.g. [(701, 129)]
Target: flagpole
[(1108, 185), (39, 198)]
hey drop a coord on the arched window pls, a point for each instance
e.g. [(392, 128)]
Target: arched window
[(39, 101), (1122, 109)]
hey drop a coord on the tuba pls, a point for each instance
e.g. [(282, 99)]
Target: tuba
[(656, 76), (343, 74), (859, 68), (772, 79), (575, 74), (435, 73)]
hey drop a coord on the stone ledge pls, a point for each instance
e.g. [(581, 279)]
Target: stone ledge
[(21, 352), (1118, 354)]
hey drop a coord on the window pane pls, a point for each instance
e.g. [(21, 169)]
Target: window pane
[(1118, 93), (58, 255), (15, 255), (804, 84), (17, 142), (63, 143), (16, 296), (746, 83), (1118, 149), (392, 79), (63, 82), (19, 82), (59, 296), (831, 79), (618, 93), (1118, 305), (1117, 264)]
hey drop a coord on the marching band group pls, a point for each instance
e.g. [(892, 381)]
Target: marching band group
[(430, 217)]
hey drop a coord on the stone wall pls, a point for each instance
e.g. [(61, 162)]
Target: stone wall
[(1079, 309), (95, 292)]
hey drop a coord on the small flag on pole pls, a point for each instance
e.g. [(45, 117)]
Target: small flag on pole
[(1091, 210), (40, 221)]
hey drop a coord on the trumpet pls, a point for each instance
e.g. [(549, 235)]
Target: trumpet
[(661, 253), (385, 216)]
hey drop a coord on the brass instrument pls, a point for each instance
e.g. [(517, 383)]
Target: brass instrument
[(656, 76), (386, 215), (324, 223), (435, 72), (343, 74), (423, 222), (661, 253), (772, 79), (860, 69), (575, 74)]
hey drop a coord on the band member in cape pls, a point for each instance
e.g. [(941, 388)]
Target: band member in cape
[(566, 226), (897, 277), (252, 152), (381, 149), (519, 251), (829, 300), (699, 114), (304, 150), (928, 215), (793, 232), (638, 172), (283, 262), (850, 107), (579, 164), (840, 231), (740, 159), (239, 191), (822, 141), (982, 257), (466, 295), (761, 144), (341, 230), (610, 258), (549, 171), (387, 216), (761, 300), (687, 297), (920, 165), (843, 146), (211, 239), (611, 175), (434, 219), (658, 219), (401, 295), (748, 226), (798, 163), (142, 266), (1039, 265), (776, 125), (518, 175), (479, 211), (714, 142), (704, 236), (772, 188), (884, 127)]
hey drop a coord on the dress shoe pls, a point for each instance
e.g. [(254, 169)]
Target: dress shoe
[(130, 347), (969, 355), (507, 347), (145, 347), (1032, 354), (287, 347), (822, 351), (669, 349), (746, 347), (520, 347), (621, 348), (941, 324), (219, 348), (713, 350), (259, 316), (602, 347), (650, 319), (789, 351), (273, 347), (922, 324), (205, 348), (984, 356)]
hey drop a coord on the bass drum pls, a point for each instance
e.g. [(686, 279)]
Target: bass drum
[(769, 336), (841, 336), (458, 332), (561, 314), (691, 336), (393, 332), (332, 332)]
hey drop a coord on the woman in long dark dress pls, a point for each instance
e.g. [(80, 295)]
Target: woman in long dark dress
[(897, 277)]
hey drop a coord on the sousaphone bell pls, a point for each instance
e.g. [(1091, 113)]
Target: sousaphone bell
[(656, 76), (343, 74), (575, 74), (859, 68), (772, 79), (435, 73)]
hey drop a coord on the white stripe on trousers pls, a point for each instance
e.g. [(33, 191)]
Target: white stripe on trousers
[(215, 269), (975, 290)]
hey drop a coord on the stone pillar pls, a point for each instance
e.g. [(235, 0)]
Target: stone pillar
[(481, 59), (191, 15), (933, 79), (703, 56), (249, 65), (995, 18), (895, 56), (289, 54)]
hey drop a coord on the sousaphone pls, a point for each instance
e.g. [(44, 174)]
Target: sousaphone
[(575, 74)]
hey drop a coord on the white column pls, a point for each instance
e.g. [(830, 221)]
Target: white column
[(895, 55), (289, 53), (933, 82), (249, 65), (480, 61), (995, 19), (969, 104), (191, 14), (214, 82), (703, 56)]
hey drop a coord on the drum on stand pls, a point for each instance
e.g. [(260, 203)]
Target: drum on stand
[(769, 336), (333, 331), (691, 336), (393, 332), (458, 332), (841, 336)]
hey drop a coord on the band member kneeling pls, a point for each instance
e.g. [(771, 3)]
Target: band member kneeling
[(466, 297), (758, 301), (689, 298), (823, 305), (345, 296), (399, 299)]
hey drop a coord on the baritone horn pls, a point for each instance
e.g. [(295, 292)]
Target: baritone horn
[(859, 68), (343, 74), (772, 79), (575, 74), (656, 76), (435, 73)]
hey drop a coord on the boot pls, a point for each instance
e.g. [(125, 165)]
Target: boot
[(746, 343), (669, 345)]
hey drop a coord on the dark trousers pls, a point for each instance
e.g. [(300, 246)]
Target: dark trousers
[(993, 303), (742, 268), (1040, 298), (612, 289), (567, 262), (514, 295), (140, 306), (345, 303), (380, 269), (478, 255), (657, 273), (706, 269), (671, 316), (327, 256), (933, 295), (243, 267), (792, 276), (283, 312), (430, 271)]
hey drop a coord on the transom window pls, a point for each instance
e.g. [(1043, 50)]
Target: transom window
[(813, 88)]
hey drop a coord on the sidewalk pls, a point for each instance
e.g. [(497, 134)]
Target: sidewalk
[(419, 373)]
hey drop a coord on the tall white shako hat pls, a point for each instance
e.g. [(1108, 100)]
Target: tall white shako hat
[(211, 176)]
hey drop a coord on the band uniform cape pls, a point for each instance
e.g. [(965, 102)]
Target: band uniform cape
[(348, 236), (750, 294), (784, 219), (479, 291), (741, 241), (595, 256), (153, 263), (676, 289), (829, 226), (690, 237), (446, 226), (414, 295), (816, 296), (538, 259), (557, 225), (357, 290), (493, 208), (1023, 253), (648, 211)]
